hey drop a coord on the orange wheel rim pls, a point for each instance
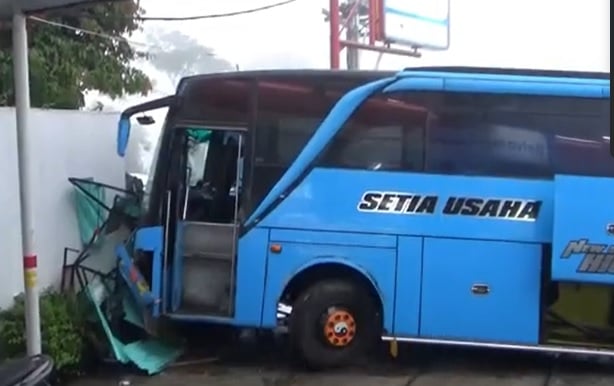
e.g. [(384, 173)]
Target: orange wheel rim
[(340, 328)]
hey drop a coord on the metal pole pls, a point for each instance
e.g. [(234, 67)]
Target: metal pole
[(353, 36), (26, 180), (335, 44)]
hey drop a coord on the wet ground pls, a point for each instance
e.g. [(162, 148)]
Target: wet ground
[(416, 366)]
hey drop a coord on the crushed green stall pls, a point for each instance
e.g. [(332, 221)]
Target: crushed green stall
[(106, 292)]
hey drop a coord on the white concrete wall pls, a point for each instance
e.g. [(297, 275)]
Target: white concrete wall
[(67, 144)]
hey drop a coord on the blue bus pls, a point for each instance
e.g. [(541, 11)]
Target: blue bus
[(443, 205)]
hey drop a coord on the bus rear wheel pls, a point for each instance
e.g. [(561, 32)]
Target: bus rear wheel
[(334, 323)]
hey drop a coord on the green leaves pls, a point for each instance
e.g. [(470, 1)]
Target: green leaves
[(62, 329), (65, 63)]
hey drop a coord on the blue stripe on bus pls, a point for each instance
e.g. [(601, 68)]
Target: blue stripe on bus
[(502, 77), (585, 89)]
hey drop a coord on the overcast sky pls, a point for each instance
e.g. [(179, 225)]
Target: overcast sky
[(550, 34), (563, 34)]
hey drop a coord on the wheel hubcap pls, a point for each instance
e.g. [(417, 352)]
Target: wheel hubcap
[(339, 328)]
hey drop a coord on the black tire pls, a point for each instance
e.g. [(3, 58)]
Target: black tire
[(307, 323)]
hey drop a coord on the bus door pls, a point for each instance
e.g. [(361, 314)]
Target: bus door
[(583, 244), (208, 219)]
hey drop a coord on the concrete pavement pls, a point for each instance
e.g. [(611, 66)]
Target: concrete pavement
[(434, 378), (455, 368)]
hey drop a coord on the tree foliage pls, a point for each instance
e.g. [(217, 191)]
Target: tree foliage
[(178, 55), (65, 63)]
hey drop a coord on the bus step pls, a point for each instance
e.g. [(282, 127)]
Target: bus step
[(206, 284)]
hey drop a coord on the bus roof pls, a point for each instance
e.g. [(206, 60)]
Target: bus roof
[(196, 81), (188, 85)]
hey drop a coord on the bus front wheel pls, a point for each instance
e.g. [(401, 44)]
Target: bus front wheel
[(334, 323)]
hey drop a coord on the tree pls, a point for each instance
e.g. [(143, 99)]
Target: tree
[(178, 55), (64, 63)]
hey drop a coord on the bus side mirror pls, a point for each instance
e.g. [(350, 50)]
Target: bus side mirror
[(123, 134), (145, 120)]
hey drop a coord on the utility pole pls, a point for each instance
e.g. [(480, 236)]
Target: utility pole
[(353, 35), (27, 180)]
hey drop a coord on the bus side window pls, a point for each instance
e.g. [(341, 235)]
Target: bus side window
[(523, 136), (385, 133), (289, 112)]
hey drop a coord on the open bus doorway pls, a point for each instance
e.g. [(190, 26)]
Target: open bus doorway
[(204, 218)]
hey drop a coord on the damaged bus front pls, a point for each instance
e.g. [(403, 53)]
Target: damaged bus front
[(226, 141)]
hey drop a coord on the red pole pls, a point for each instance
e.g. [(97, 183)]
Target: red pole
[(335, 43), (372, 17)]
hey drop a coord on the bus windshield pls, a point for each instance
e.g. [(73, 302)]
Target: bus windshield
[(150, 175), (197, 148)]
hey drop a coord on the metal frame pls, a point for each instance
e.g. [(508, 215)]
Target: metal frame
[(73, 269)]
